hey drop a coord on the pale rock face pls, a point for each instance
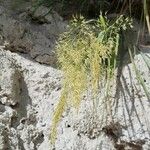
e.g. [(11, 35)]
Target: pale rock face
[(10, 88), (26, 117)]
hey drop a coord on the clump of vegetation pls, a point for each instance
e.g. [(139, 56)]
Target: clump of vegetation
[(87, 54), (138, 73)]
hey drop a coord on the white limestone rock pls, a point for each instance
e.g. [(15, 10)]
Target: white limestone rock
[(28, 122), (9, 85)]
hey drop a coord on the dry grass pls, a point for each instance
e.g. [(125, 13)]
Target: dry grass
[(87, 54)]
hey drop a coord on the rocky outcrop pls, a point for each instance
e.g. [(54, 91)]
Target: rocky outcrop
[(30, 90), (24, 115), (29, 31)]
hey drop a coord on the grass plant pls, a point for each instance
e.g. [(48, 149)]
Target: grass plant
[(138, 75), (146, 13), (87, 53)]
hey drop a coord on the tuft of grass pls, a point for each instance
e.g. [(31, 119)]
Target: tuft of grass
[(138, 75), (146, 60), (87, 54), (146, 14), (57, 116)]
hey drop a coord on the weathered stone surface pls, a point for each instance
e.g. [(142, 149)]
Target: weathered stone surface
[(25, 32), (2, 143), (22, 114), (27, 123), (9, 85)]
